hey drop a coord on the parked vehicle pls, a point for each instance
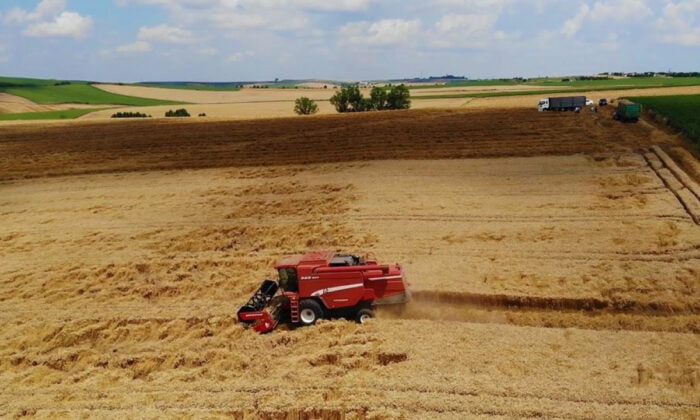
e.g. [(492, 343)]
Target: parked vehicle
[(627, 111), (566, 103), (603, 102)]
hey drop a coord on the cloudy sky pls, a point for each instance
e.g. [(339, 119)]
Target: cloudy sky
[(227, 40)]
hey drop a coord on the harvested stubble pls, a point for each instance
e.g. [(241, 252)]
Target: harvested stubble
[(119, 282), (63, 149)]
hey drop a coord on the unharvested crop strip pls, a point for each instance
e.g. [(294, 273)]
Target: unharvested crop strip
[(491, 311), (554, 303)]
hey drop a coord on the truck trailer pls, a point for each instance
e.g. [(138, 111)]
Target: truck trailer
[(565, 103), (628, 111)]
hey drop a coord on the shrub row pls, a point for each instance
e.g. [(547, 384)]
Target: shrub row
[(177, 113), (350, 99), (182, 112), (130, 115)]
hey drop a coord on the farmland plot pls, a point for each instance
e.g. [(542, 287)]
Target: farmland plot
[(552, 277)]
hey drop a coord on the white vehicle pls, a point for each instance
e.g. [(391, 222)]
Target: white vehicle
[(566, 103), (589, 102)]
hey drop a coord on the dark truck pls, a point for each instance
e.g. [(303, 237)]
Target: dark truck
[(565, 103), (627, 111)]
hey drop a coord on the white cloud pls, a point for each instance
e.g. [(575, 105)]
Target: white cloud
[(469, 30), (573, 25), (382, 32), (45, 9), (476, 4), (680, 23), (469, 23), (606, 10), (620, 10), (166, 34), (237, 19), (50, 19), (239, 56), (612, 43), (67, 24), (245, 15), (335, 5), (134, 47), (208, 51), (319, 5)]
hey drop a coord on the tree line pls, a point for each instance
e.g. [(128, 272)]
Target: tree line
[(350, 99)]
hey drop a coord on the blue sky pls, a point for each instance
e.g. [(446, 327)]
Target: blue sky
[(227, 40)]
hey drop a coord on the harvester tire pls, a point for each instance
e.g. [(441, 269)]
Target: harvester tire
[(364, 315), (310, 311)]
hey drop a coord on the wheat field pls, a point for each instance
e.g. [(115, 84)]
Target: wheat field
[(553, 259)]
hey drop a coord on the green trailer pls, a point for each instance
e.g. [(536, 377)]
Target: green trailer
[(628, 111)]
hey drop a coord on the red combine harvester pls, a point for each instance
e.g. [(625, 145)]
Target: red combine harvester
[(323, 285)]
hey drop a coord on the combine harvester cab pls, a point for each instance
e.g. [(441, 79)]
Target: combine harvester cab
[(323, 285)]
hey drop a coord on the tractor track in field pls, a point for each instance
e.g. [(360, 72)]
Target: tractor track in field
[(590, 314), (586, 313), (554, 303), (547, 312), (678, 254), (368, 390), (516, 219), (686, 190)]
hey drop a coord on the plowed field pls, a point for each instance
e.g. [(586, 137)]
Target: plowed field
[(554, 260)]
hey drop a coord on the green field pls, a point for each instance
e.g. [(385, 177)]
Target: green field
[(513, 93), (465, 83), (69, 92), (68, 114), (570, 86), (538, 92), (627, 82), (682, 111), (223, 87)]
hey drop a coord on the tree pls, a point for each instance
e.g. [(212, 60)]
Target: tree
[(355, 98), (130, 115), (305, 106), (378, 98), (398, 98), (349, 99), (182, 112), (340, 101)]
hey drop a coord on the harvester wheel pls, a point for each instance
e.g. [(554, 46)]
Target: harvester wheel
[(364, 315), (309, 311)]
